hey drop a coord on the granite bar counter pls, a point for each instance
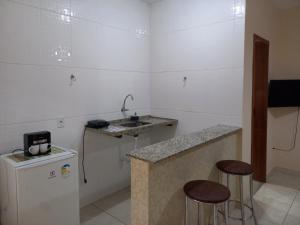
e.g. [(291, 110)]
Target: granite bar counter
[(159, 172), (172, 147)]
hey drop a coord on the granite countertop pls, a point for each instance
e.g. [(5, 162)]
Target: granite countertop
[(116, 130), (160, 151)]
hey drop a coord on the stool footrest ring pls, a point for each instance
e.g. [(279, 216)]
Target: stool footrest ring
[(238, 218)]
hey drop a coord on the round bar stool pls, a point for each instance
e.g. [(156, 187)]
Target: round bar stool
[(208, 192), (240, 169)]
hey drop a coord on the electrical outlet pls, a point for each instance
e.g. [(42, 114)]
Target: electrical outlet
[(60, 123)]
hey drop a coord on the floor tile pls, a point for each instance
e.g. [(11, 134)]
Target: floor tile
[(271, 193), (89, 212), (117, 205), (264, 216), (113, 199), (293, 217), (102, 219), (237, 213), (296, 202), (121, 211), (271, 212), (284, 178), (272, 203)]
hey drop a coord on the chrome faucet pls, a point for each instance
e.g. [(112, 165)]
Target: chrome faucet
[(123, 109)]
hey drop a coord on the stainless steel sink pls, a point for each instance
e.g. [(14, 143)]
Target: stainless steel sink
[(134, 124)]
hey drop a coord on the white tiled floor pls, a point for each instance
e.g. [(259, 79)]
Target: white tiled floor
[(282, 198), (112, 210), (277, 203)]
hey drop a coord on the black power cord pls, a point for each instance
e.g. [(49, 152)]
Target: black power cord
[(83, 157), (293, 146)]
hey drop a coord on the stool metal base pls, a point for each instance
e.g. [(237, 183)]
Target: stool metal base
[(243, 219), (215, 211), (238, 218)]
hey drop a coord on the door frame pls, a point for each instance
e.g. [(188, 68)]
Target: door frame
[(262, 173)]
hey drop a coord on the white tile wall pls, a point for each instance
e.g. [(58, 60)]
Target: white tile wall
[(210, 92), (204, 42), (193, 121), (106, 45), (172, 15), (17, 44), (204, 48)]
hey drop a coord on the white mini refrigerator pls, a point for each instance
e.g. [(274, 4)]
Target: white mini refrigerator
[(41, 190)]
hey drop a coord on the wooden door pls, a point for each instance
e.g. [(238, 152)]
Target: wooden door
[(259, 107)]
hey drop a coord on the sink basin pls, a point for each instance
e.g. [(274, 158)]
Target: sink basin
[(135, 124)]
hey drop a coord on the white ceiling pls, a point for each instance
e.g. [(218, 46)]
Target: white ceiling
[(286, 4)]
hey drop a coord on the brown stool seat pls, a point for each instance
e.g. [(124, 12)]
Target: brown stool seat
[(206, 191), (235, 167)]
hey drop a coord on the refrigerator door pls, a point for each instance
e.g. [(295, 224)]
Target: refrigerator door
[(48, 193)]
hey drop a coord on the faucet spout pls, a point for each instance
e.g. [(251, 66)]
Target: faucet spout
[(124, 109)]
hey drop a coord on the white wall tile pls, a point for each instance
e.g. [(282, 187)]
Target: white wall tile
[(97, 46), (209, 47), (56, 39), (58, 6), (106, 91), (35, 3), (20, 36), (87, 44), (122, 14), (128, 14), (47, 94), (126, 50), (88, 9), (20, 93), (31, 93), (193, 121), (215, 92), (168, 16)]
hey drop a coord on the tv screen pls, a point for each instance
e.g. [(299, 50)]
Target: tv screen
[(284, 93)]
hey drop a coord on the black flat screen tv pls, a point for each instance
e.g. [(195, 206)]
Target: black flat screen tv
[(284, 93)]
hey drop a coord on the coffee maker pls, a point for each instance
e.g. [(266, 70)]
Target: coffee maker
[(37, 143)]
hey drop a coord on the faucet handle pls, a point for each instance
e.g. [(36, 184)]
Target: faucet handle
[(135, 117)]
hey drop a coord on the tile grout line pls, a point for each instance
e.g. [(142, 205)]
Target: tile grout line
[(122, 222), (70, 66), (193, 111), (68, 117), (287, 214), (157, 73)]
